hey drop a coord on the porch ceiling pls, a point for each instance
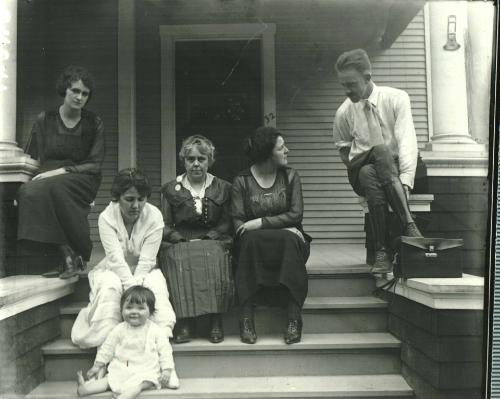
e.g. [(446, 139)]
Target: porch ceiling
[(371, 24)]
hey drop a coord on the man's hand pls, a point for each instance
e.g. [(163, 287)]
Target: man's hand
[(407, 192), (50, 173), (344, 155), (253, 224)]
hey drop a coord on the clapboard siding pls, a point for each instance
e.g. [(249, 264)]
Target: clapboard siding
[(58, 33), (309, 37), (306, 112)]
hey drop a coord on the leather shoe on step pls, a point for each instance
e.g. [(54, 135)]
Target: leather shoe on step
[(293, 333), (216, 330), (382, 263), (182, 333), (247, 331)]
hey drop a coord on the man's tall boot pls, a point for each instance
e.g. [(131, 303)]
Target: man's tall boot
[(378, 223), (396, 196)]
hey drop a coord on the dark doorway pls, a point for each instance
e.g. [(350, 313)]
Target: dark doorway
[(218, 94)]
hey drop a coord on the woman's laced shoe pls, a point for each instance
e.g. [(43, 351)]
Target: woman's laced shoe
[(182, 332), (247, 331), (70, 262), (293, 333), (216, 330), (69, 268)]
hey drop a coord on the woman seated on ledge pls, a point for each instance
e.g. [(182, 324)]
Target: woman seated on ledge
[(272, 248), (69, 143), (195, 258), (130, 230)]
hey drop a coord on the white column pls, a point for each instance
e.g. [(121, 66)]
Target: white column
[(481, 20), (14, 164), (127, 154), (452, 150)]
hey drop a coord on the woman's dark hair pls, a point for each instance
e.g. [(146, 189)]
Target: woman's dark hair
[(127, 178), (138, 294), (259, 146), (71, 75)]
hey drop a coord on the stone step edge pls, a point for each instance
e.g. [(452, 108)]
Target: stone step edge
[(368, 386), (312, 303), (266, 342), (357, 270)]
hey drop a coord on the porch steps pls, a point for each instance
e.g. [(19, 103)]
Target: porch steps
[(320, 315), (316, 354), (345, 352), (387, 386), (340, 281)]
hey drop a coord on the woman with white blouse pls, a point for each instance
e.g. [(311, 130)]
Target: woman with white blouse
[(131, 230)]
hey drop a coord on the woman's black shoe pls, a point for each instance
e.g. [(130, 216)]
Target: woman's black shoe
[(216, 329), (182, 332), (293, 332), (247, 331)]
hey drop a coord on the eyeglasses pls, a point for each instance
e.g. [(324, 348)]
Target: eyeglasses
[(76, 92)]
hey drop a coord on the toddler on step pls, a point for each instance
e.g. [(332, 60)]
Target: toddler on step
[(137, 351)]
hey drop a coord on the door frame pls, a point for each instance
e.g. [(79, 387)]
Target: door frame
[(169, 35)]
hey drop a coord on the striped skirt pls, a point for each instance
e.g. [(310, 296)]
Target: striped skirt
[(199, 276)]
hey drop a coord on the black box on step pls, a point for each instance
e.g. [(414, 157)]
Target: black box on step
[(420, 257)]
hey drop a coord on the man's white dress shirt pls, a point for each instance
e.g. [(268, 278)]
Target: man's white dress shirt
[(350, 128)]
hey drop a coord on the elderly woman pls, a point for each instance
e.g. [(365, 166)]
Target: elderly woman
[(130, 230), (69, 143), (197, 231), (272, 246)]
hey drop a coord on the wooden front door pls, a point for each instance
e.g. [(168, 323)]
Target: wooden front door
[(218, 95)]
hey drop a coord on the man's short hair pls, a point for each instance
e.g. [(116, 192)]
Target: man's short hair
[(354, 59)]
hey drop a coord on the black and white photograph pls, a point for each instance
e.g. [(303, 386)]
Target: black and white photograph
[(195, 205)]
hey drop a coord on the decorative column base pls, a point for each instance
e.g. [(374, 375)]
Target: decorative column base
[(455, 159), (16, 166)]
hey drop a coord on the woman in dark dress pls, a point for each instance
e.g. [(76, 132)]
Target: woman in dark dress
[(69, 143), (197, 237), (272, 247)]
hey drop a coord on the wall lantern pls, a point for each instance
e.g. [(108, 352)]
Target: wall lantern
[(451, 44)]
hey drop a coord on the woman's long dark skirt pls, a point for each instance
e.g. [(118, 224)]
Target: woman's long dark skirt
[(54, 210), (199, 277), (268, 258)]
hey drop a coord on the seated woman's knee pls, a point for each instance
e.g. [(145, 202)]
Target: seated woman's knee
[(367, 175), (110, 280), (155, 279)]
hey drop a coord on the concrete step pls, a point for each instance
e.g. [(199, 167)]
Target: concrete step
[(320, 315), (350, 280), (313, 387), (341, 281), (334, 270), (316, 354)]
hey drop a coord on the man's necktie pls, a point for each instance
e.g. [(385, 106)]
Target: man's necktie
[(374, 124)]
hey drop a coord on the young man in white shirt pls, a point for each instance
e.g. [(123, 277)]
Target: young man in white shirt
[(374, 133)]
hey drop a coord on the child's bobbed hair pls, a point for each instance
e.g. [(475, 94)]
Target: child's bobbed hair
[(138, 294)]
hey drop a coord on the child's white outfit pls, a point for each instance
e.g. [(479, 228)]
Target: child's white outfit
[(135, 354)]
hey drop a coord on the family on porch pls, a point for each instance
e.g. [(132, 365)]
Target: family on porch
[(212, 244)]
